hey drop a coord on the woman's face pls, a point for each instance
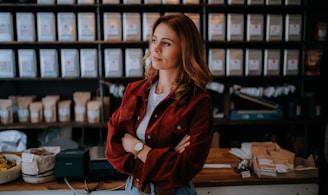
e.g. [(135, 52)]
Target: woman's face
[(165, 48)]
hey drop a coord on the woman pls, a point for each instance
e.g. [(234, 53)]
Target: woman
[(161, 134)]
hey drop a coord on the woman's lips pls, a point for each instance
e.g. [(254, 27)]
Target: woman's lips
[(155, 59)]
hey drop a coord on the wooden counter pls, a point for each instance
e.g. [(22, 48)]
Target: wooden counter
[(208, 177), (211, 177)]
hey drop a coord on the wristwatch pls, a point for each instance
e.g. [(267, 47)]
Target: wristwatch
[(137, 148)]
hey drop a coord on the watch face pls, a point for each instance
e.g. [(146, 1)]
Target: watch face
[(138, 146)]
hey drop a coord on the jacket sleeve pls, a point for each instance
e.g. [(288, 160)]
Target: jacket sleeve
[(115, 153)]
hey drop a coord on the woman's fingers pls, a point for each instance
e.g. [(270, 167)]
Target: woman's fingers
[(183, 144)]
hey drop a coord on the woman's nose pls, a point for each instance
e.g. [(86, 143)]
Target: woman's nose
[(157, 48)]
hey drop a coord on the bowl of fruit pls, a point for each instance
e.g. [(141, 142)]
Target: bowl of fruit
[(10, 167)]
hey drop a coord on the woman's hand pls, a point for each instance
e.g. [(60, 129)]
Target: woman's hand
[(128, 142), (183, 144)]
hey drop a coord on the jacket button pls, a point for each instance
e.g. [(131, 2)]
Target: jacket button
[(137, 180), (179, 127), (156, 116), (138, 117), (148, 136)]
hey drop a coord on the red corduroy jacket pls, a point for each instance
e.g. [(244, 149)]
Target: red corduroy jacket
[(168, 124)]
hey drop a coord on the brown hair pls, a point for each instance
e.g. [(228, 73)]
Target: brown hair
[(194, 73)]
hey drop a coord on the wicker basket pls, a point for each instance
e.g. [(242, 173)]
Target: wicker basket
[(13, 173)]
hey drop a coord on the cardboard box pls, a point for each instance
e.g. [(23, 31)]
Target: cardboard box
[(304, 168), (281, 163)]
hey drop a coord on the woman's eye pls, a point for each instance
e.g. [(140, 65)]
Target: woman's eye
[(166, 44)]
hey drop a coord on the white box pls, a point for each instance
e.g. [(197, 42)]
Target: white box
[(49, 63), (7, 63), (27, 63), (236, 2), (271, 62), (195, 17), (89, 62), (147, 24), (216, 27), (253, 62), (190, 1), (171, 2), (45, 1), (215, 1), (131, 26), (65, 1), (133, 65), (274, 27), (86, 26), (255, 27), (85, 1), (292, 2), (111, 1), (66, 22), (25, 26), (112, 26), (235, 27), (255, 2), (216, 61), (6, 26), (113, 62), (235, 62), (273, 2), (152, 1), (46, 27), (293, 27), (131, 1), (70, 66), (291, 62)]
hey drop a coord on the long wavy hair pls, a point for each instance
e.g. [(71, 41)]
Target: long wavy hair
[(194, 73)]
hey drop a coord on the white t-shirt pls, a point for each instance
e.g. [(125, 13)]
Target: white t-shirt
[(153, 101)]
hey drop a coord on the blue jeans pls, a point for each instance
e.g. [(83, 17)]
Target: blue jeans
[(131, 190)]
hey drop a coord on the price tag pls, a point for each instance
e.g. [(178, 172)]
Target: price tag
[(27, 157), (245, 174)]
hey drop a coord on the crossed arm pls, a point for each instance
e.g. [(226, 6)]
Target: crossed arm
[(128, 142)]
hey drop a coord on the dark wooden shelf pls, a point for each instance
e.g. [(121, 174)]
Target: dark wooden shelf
[(44, 125), (227, 122)]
